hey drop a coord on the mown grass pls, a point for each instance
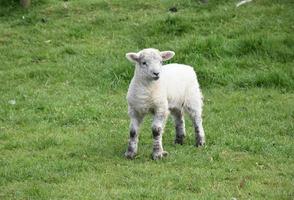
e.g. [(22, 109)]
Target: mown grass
[(63, 64)]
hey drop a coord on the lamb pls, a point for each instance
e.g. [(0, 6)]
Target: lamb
[(162, 89)]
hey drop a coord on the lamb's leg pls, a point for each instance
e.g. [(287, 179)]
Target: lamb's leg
[(199, 132), (194, 108), (197, 122), (157, 131), (179, 125), (134, 136)]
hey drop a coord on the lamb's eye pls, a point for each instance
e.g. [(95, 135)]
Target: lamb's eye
[(144, 63)]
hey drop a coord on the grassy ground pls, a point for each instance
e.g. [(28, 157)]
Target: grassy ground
[(63, 113)]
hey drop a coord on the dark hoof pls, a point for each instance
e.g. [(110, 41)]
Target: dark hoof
[(179, 140)]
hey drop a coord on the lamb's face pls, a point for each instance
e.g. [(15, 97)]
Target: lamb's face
[(149, 62)]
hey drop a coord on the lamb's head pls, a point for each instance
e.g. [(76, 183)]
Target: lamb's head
[(149, 62)]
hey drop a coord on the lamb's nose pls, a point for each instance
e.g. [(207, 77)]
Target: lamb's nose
[(156, 74)]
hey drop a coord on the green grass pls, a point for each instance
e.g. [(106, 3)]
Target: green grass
[(64, 66)]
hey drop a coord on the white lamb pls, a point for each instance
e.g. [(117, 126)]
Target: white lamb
[(160, 89)]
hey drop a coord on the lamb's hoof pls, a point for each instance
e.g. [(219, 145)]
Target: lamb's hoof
[(200, 143), (159, 155), (130, 155), (179, 140)]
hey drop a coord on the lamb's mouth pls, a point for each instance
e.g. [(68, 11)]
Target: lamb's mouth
[(155, 78)]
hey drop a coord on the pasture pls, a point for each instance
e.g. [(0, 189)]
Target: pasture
[(63, 112)]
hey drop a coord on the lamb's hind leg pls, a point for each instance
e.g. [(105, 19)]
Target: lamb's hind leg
[(179, 125), (199, 131), (194, 108)]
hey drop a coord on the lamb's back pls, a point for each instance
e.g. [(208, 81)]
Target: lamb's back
[(178, 79)]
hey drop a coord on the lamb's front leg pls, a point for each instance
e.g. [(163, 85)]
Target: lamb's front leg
[(134, 135), (157, 131)]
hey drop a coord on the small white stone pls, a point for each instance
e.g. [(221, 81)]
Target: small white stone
[(65, 5), (243, 2), (12, 102)]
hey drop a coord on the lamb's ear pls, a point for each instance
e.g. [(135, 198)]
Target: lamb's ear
[(133, 57), (166, 55)]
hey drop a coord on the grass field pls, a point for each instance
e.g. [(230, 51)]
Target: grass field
[(63, 113)]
